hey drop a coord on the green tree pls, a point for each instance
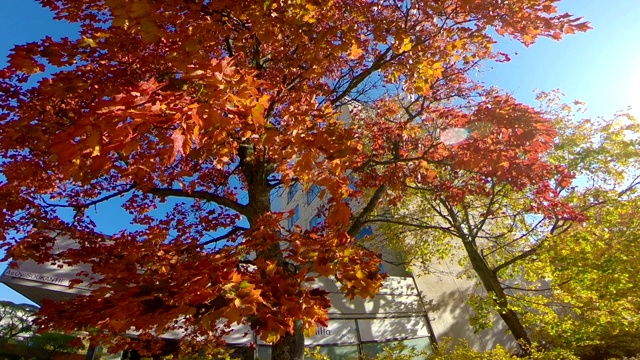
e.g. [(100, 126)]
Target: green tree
[(49, 343), (16, 322), (594, 306)]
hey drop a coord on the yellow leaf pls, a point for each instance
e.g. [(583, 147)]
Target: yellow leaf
[(355, 52), (271, 268), (270, 337), (257, 114), (407, 44), (87, 41), (310, 331)]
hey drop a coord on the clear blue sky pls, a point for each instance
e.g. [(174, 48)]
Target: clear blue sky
[(601, 67)]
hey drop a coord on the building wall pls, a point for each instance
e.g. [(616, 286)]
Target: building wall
[(446, 289), (443, 291), (358, 326)]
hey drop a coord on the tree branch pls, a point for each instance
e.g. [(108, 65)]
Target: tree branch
[(93, 202), (201, 195), (517, 258), (410, 224), (366, 211), (375, 66), (235, 230)]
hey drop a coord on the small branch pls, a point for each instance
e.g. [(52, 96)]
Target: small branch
[(235, 230), (229, 45), (515, 259), (375, 66), (94, 202), (507, 287), (410, 224)]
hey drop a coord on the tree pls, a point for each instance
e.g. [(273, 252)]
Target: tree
[(591, 266), (50, 343), (541, 273), (219, 103), (16, 321), (18, 334), (490, 213)]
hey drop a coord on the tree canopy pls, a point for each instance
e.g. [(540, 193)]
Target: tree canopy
[(563, 283), (219, 103)]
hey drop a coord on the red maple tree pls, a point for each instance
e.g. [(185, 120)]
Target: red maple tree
[(217, 103)]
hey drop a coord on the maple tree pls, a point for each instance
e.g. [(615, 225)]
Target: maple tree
[(218, 103), (543, 272)]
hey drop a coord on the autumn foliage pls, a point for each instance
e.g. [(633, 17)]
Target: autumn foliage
[(219, 103)]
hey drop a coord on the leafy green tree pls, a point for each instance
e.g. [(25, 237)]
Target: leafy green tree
[(16, 322), (594, 307), (50, 343)]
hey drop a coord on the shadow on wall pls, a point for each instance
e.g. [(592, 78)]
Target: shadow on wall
[(445, 292), (396, 313)]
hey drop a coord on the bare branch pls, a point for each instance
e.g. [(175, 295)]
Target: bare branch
[(201, 195), (93, 202), (410, 224), (233, 231), (375, 66)]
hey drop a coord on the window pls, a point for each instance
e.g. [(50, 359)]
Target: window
[(294, 218), (316, 220), (312, 193), (364, 232), (293, 189), (349, 352), (372, 349), (352, 182)]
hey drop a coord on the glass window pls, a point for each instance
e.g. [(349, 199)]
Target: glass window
[(316, 220), (388, 329), (352, 182), (294, 218), (371, 350), (312, 193), (365, 231), (337, 352), (264, 352), (293, 189)]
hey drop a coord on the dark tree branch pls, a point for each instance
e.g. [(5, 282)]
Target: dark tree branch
[(201, 195), (233, 231), (410, 224), (358, 79), (359, 221), (93, 202), (517, 258), (507, 287)]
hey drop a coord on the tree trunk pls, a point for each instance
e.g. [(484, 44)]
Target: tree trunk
[(290, 346), (492, 285), (256, 172)]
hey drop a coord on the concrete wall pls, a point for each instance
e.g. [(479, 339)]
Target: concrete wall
[(445, 292)]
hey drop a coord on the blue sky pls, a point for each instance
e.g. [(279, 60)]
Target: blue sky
[(601, 67)]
